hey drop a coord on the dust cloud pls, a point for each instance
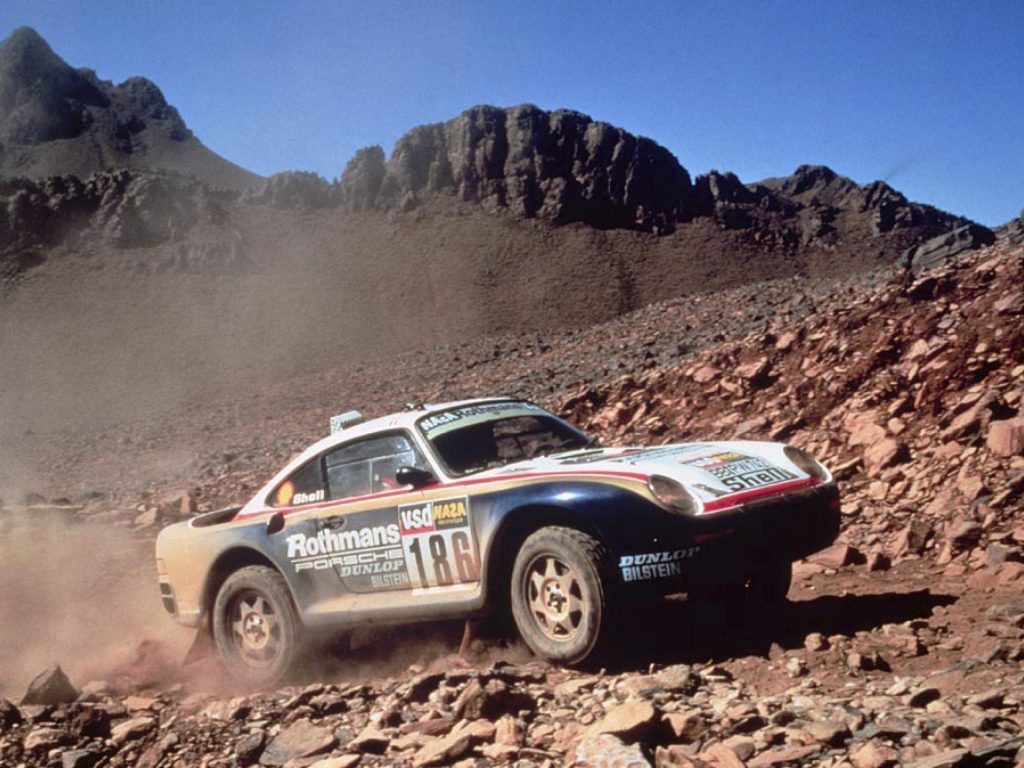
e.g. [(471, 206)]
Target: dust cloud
[(82, 596)]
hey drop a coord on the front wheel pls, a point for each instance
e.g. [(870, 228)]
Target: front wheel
[(560, 595), (255, 625)]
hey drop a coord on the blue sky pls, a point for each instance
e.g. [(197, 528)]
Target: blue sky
[(927, 95)]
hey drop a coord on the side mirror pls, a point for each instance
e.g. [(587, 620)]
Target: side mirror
[(414, 476)]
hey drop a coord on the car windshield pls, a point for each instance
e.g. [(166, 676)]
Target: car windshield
[(479, 437)]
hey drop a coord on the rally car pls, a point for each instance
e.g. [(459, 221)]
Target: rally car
[(462, 509)]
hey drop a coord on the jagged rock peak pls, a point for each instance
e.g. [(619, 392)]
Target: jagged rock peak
[(57, 120), (560, 165), (26, 44), (41, 97)]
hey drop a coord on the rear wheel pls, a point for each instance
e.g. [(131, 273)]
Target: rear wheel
[(255, 625), (560, 595)]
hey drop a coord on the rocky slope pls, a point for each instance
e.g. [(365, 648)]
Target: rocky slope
[(498, 221), (903, 645), (56, 120)]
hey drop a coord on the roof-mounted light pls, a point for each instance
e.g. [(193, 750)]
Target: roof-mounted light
[(345, 420)]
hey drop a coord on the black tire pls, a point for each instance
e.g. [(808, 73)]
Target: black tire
[(256, 627), (560, 595)]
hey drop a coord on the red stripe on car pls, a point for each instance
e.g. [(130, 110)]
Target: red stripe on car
[(441, 486), (727, 502)]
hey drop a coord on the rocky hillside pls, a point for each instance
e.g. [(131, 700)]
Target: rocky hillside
[(902, 645), (178, 277), (56, 120)]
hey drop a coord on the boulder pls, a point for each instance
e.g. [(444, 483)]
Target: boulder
[(1006, 438), (128, 730), (450, 748), (45, 739), (51, 686), (9, 714), (963, 534), (602, 750), (490, 701), (882, 454), (299, 740), (79, 758), (874, 754), (628, 721), (947, 246)]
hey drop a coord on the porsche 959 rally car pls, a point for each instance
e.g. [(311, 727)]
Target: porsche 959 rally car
[(460, 509)]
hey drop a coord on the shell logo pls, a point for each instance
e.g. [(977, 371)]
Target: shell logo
[(285, 494)]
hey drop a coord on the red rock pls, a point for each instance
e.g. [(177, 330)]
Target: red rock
[(865, 433), (816, 642), (628, 720), (602, 750), (882, 454), (877, 561), (791, 754), (836, 556), (685, 726), (720, 756), (1006, 438), (675, 756), (298, 740), (874, 754), (705, 374), (963, 534), (912, 539)]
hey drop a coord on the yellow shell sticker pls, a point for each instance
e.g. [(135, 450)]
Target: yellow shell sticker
[(284, 494)]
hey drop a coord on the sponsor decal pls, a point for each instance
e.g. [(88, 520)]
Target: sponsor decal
[(657, 454), (420, 546), (367, 558), (416, 519), (655, 565), (309, 498), (450, 514), (439, 546), (284, 494), (438, 423), (714, 460), (327, 542), (739, 472)]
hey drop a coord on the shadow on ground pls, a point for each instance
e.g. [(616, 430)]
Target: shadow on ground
[(673, 631)]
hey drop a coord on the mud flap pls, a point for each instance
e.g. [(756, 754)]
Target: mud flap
[(203, 645)]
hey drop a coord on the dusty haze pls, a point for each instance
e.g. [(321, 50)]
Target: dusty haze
[(80, 595)]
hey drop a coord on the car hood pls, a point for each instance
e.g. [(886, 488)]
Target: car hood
[(714, 472)]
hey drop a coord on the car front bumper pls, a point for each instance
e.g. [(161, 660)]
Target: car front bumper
[(727, 546)]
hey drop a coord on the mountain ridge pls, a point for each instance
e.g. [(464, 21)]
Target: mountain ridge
[(56, 120)]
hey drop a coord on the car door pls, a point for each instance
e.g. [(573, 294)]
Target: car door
[(405, 539), (360, 529)]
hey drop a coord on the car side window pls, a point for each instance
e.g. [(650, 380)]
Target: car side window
[(369, 465), (305, 486)]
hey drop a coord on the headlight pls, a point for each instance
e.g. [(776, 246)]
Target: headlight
[(672, 494), (806, 463)]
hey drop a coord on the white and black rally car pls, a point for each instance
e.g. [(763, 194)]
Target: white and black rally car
[(460, 509)]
